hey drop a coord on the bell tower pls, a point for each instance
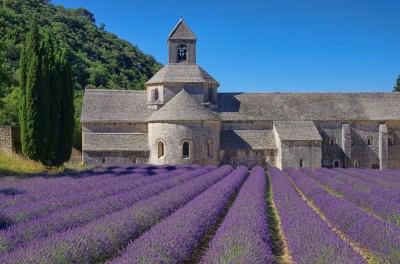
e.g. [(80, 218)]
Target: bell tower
[(182, 44)]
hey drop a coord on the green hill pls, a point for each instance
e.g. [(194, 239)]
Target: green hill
[(99, 58)]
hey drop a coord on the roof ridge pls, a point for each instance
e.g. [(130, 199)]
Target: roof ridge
[(114, 90)]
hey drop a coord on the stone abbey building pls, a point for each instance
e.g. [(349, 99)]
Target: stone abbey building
[(182, 119)]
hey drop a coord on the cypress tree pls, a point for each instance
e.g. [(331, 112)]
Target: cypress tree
[(46, 103), (51, 98), (67, 111), (31, 92)]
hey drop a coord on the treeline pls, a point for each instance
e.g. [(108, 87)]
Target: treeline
[(46, 108), (98, 59)]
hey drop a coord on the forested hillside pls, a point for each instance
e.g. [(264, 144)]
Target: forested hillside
[(99, 58)]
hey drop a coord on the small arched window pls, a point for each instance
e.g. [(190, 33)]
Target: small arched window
[(301, 163), (336, 164), (160, 149), (332, 141), (156, 94), (182, 53), (356, 164), (391, 140), (210, 149), (185, 150), (369, 140)]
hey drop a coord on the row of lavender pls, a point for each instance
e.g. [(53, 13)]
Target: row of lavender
[(169, 216), (63, 195), (180, 206), (369, 224), (102, 238)]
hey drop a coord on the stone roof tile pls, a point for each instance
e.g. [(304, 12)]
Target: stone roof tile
[(297, 130), (115, 105), (181, 31), (181, 73), (182, 107), (309, 106), (247, 139)]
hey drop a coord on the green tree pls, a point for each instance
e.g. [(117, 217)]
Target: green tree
[(396, 87), (51, 97), (31, 96), (66, 110)]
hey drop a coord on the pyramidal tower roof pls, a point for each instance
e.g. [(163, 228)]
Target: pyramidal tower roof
[(182, 107), (181, 31)]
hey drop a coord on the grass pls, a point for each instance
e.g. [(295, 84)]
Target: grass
[(12, 164), (280, 248)]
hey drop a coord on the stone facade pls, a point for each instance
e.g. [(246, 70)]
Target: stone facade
[(182, 119), (9, 139)]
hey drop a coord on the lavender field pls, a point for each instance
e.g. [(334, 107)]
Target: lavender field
[(192, 214)]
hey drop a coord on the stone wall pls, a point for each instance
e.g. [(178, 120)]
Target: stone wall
[(332, 132), (115, 157), (394, 148), (307, 151), (10, 139), (174, 134), (249, 157)]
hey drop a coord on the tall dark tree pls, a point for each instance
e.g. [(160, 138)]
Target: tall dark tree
[(396, 87), (51, 97), (66, 110), (31, 92)]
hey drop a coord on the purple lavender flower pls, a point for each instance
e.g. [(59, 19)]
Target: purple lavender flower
[(309, 238), (23, 233), (380, 237), (102, 238), (243, 236), (175, 238)]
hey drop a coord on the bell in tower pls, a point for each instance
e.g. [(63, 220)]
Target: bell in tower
[(182, 44)]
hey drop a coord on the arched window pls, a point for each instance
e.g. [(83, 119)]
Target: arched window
[(210, 149), (156, 94), (356, 164), (391, 140), (332, 141), (160, 148), (185, 150), (369, 140), (301, 163), (336, 163), (182, 53)]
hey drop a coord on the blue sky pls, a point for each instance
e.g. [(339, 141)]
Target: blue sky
[(270, 46)]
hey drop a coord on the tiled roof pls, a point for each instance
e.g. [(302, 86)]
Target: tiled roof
[(181, 31), (297, 130), (309, 106), (181, 73), (182, 107), (247, 139), (115, 105)]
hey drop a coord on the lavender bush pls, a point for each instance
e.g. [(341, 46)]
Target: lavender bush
[(375, 180), (243, 236), (175, 238), (23, 233), (380, 237), (363, 186), (26, 211), (387, 209), (309, 238), (102, 238)]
